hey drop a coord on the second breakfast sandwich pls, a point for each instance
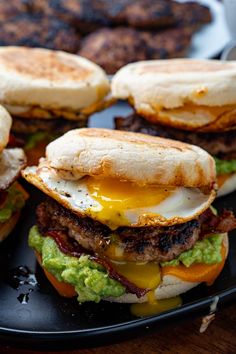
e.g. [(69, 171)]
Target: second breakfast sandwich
[(12, 194), (48, 93), (188, 100), (127, 215)]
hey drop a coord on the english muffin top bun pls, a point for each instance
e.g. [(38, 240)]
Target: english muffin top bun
[(137, 158), (48, 79), (183, 93)]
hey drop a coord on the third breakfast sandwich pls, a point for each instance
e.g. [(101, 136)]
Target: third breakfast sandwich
[(189, 100), (127, 217), (48, 93)]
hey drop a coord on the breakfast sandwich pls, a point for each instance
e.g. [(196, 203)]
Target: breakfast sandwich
[(48, 93), (12, 195), (184, 99), (127, 217)]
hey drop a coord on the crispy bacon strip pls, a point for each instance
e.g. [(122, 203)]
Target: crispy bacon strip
[(72, 248), (211, 223)]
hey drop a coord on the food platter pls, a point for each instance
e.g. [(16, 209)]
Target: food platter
[(33, 315)]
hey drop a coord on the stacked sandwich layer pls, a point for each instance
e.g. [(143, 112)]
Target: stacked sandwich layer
[(127, 217), (189, 100)]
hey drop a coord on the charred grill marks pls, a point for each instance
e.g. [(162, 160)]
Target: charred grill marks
[(138, 244)]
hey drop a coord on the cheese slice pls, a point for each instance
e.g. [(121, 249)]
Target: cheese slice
[(197, 273)]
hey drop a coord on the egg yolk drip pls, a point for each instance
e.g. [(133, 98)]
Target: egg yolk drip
[(115, 197), (144, 275), (148, 276)]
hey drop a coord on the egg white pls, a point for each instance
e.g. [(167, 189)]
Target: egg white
[(182, 205)]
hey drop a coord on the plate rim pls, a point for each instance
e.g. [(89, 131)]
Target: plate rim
[(223, 296)]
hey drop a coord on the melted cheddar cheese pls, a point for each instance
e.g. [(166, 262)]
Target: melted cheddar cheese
[(197, 272)]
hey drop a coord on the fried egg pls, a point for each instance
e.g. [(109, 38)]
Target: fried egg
[(121, 203)]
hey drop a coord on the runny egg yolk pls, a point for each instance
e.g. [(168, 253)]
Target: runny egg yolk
[(144, 275), (147, 276), (115, 197), (154, 307)]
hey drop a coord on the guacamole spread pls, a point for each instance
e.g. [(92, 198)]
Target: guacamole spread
[(90, 279), (206, 251), (14, 202), (224, 166)]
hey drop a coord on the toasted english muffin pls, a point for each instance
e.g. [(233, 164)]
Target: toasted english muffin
[(43, 83), (116, 154), (183, 93)]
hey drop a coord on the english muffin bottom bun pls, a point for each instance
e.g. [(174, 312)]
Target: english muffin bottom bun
[(127, 217), (12, 195), (189, 100), (49, 92)]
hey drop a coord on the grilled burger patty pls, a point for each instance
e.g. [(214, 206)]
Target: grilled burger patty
[(136, 244), (222, 145)]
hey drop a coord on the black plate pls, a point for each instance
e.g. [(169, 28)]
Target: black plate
[(32, 313)]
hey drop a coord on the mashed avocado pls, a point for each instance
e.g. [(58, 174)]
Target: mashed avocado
[(90, 279), (206, 251), (15, 201), (224, 166)]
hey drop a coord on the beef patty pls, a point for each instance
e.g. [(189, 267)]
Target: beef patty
[(136, 244), (222, 145), (52, 126)]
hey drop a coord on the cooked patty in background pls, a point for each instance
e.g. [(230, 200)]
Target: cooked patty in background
[(12, 8), (113, 48), (88, 15), (149, 14), (84, 15), (191, 14), (37, 31), (128, 30), (222, 145)]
